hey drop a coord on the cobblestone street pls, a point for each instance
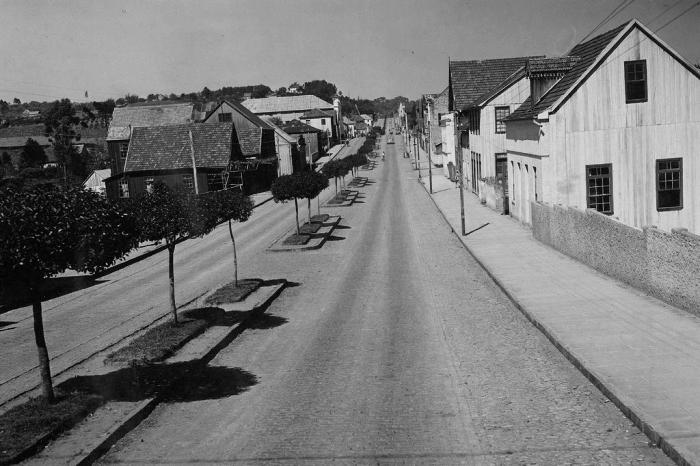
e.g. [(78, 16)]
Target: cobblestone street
[(394, 347)]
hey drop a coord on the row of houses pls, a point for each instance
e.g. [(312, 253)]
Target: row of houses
[(246, 144), (614, 126)]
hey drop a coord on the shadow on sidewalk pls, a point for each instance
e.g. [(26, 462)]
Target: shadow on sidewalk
[(190, 381), (50, 289)]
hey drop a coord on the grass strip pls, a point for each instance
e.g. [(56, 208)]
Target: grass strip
[(297, 240), (230, 293), (23, 426), (310, 228), (158, 343)]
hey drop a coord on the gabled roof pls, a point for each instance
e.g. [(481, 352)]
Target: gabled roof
[(317, 113), (296, 127), (590, 54), (252, 117), (290, 103), (470, 80), (143, 116), (281, 133), (168, 147)]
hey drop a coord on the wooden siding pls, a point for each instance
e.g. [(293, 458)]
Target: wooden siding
[(488, 143), (239, 121), (596, 125)]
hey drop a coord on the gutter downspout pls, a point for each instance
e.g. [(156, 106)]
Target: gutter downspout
[(194, 165)]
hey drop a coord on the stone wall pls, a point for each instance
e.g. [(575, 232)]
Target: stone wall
[(665, 265)]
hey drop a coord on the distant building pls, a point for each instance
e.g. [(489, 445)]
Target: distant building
[(96, 181), (287, 108), (311, 135)]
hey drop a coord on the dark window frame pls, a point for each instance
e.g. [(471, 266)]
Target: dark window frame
[(225, 117), (594, 201), (632, 81), (497, 120), (123, 150), (188, 181), (215, 180), (659, 182)]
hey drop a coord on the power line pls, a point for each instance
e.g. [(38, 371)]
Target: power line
[(677, 16), (664, 12), (621, 6)]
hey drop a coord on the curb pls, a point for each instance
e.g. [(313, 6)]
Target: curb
[(626, 409), (144, 408)]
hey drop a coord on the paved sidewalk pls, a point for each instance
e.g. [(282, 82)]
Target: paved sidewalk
[(642, 353)]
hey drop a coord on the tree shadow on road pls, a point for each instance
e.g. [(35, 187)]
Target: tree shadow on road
[(51, 288), (335, 238), (265, 321), (190, 381)]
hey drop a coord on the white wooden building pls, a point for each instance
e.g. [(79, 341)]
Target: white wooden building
[(615, 127)]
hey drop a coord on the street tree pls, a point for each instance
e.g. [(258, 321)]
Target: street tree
[(299, 185), (32, 155), (171, 215), (45, 230), (233, 206)]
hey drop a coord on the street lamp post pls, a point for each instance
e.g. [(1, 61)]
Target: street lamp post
[(430, 162), (460, 177)]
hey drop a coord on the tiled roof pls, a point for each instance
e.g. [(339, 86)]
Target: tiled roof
[(587, 53), (281, 133), (317, 113), (168, 147), (474, 78), (249, 141), (292, 103), (143, 116), (296, 127)]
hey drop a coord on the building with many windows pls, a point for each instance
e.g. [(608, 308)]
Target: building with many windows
[(613, 126)]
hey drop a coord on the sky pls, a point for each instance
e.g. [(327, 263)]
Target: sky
[(51, 49)]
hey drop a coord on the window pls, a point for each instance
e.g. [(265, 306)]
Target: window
[(148, 185), (323, 121), (501, 114), (501, 168), (188, 181), (636, 81), (123, 149), (599, 182), (512, 168), (124, 189), (474, 121), (534, 174), (215, 181), (669, 184), (224, 117), (308, 121)]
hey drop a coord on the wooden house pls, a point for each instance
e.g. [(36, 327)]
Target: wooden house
[(482, 93), (312, 142), (242, 118), (613, 126)]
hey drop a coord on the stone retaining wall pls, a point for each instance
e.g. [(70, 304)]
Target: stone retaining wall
[(665, 265)]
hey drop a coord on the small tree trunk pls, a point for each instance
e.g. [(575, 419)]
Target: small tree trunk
[(335, 180), (171, 276), (296, 209), (44, 366), (235, 256), (308, 204), (318, 203)]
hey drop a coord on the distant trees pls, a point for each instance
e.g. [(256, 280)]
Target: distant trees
[(16, 101), (281, 92), (171, 215), (104, 111), (59, 123), (32, 155), (321, 89), (44, 231)]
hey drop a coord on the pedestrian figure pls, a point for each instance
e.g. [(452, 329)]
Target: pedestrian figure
[(382, 155)]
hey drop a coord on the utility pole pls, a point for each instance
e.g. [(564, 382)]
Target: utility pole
[(430, 162), (460, 176), (194, 165)]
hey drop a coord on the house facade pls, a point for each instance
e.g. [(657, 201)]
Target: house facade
[(287, 108), (323, 121), (312, 141), (242, 118), (617, 132), (482, 93)]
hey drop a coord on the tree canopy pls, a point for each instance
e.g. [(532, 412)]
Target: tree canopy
[(32, 155)]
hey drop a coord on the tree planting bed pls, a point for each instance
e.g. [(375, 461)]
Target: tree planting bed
[(344, 198), (230, 293), (293, 242)]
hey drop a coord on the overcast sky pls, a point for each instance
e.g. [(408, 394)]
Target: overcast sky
[(52, 49)]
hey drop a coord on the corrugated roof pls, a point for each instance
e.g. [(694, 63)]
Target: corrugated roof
[(473, 79), (317, 113), (20, 141), (587, 54), (296, 127), (168, 147), (144, 116), (291, 103)]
